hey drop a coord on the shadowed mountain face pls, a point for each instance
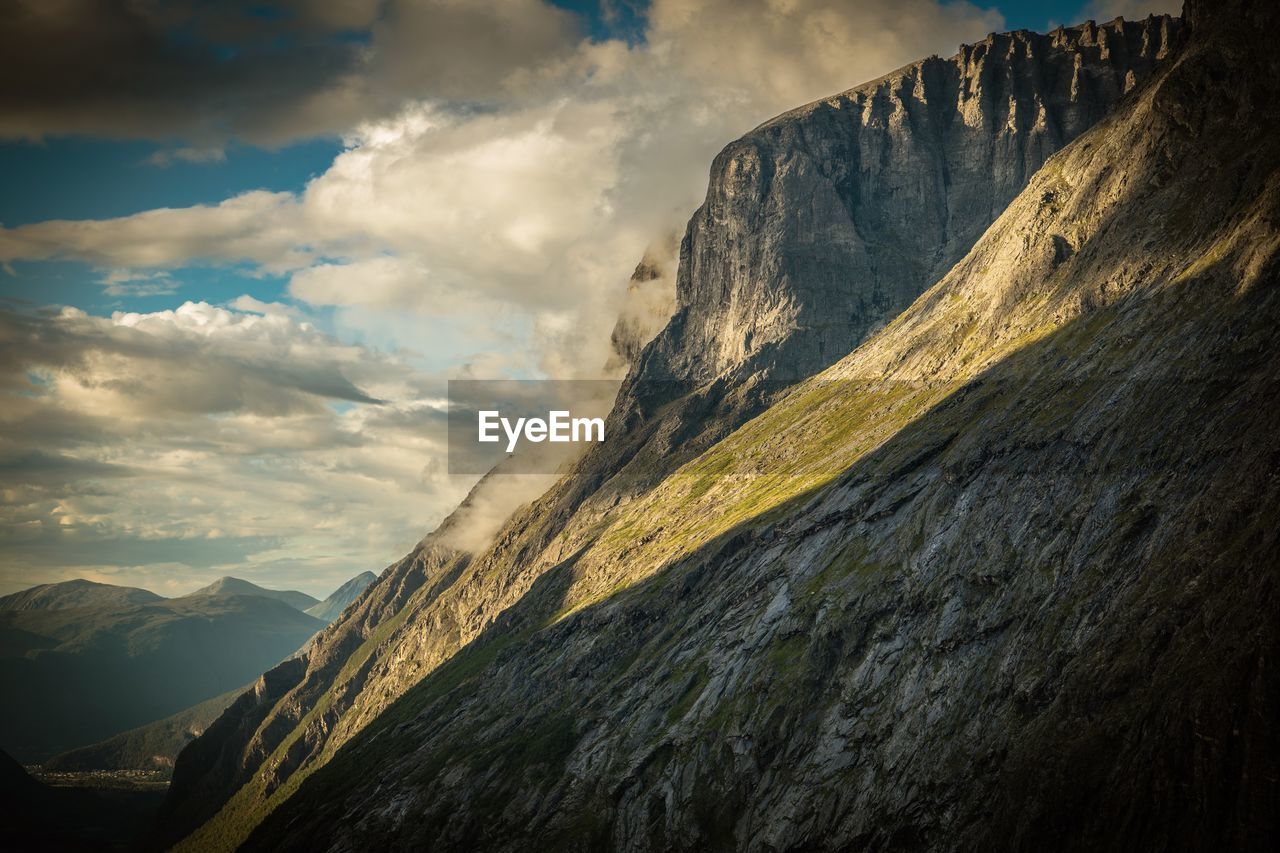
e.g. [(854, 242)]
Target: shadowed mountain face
[(46, 818), (150, 748), (1002, 577), (98, 664)]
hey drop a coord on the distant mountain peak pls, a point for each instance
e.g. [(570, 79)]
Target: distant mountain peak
[(331, 607), (76, 593), (228, 585)]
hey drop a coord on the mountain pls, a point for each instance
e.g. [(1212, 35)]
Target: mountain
[(826, 222), (1001, 576), (338, 600), (76, 593), (673, 406), (82, 674), (823, 224), (152, 747), (235, 586)]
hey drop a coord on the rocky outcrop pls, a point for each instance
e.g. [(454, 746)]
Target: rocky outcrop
[(954, 593), (826, 222)]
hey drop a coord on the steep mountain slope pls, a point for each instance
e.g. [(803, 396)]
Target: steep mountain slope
[(299, 716), (322, 696), (80, 674), (76, 593), (341, 597), (821, 225), (997, 580), (955, 593), (235, 586)]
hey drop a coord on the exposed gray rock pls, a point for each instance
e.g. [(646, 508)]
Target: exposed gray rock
[(825, 222)]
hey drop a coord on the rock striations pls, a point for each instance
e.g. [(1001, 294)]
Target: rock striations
[(1001, 576), (826, 222)]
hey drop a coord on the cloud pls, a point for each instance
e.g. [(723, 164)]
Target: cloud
[(541, 204), (789, 52), (210, 440), (266, 72), (126, 283), (187, 154), (259, 227)]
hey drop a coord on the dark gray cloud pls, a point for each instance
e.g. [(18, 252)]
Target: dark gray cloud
[(186, 69), (244, 369), (262, 71)]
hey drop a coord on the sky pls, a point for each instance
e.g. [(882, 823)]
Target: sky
[(244, 244)]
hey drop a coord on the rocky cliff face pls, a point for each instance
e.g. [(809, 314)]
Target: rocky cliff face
[(956, 592), (826, 222)]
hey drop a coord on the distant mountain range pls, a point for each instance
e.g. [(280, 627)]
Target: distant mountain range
[(154, 746), (85, 662)]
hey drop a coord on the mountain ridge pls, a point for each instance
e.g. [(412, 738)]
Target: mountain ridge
[(228, 585), (75, 593), (341, 598)]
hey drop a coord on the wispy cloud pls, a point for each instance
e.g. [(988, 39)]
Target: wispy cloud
[(187, 154), (129, 283), (153, 434)]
